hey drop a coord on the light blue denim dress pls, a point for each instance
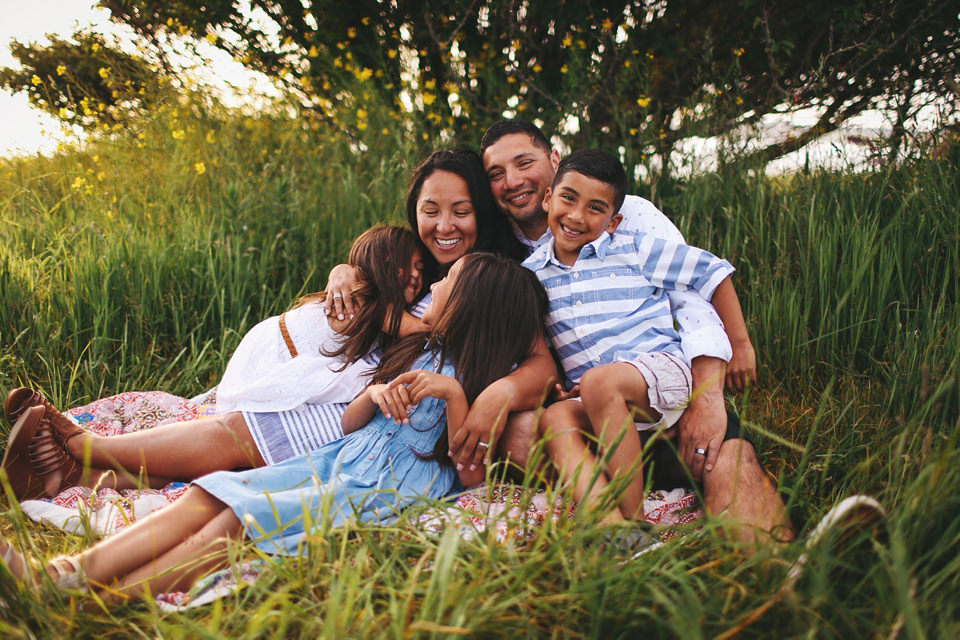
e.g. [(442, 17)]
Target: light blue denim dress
[(370, 475)]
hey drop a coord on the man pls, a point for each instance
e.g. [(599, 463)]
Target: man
[(521, 165)]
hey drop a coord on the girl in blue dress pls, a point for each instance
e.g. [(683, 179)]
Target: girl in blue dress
[(482, 319)]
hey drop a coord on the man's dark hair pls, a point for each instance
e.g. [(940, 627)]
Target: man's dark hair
[(599, 166), (507, 127)]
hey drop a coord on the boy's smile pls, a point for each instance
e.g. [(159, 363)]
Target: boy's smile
[(579, 209)]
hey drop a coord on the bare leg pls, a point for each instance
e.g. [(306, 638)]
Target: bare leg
[(740, 489), (518, 438), (612, 394), (163, 543), (561, 425), (183, 450)]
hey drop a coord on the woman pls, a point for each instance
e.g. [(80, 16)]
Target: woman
[(282, 394), (450, 208), (482, 318)]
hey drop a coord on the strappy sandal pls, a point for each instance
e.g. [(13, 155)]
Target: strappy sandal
[(17, 464), (67, 573)]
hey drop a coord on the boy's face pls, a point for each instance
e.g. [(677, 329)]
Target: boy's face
[(579, 209), (520, 173)]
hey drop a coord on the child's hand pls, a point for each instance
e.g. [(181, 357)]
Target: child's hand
[(393, 402), (742, 368), (419, 384), (559, 394)]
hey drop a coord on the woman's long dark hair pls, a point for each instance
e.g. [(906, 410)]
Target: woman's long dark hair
[(493, 231), (493, 316), (381, 257)]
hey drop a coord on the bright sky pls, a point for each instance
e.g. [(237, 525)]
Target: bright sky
[(26, 130)]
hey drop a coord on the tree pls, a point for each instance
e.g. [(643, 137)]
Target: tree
[(83, 81), (642, 74)]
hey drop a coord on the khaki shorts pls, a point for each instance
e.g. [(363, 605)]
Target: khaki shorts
[(669, 385)]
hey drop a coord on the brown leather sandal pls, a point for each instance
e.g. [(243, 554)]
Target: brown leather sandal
[(17, 465), (22, 398), (48, 455)]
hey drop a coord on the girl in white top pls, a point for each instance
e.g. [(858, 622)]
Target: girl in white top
[(282, 394)]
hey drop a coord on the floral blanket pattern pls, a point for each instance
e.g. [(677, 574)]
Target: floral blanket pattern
[(509, 511)]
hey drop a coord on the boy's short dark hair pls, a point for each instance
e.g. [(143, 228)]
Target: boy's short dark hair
[(599, 166), (507, 127)]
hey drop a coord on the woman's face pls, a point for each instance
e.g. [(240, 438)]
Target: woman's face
[(414, 277), (446, 221), (440, 291)]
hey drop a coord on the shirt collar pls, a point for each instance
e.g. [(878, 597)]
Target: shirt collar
[(546, 255)]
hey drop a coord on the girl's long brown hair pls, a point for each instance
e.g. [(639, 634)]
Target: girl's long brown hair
[(493, 316), (381, 257)]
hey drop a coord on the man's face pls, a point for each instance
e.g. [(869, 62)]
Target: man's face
[(520, 174)]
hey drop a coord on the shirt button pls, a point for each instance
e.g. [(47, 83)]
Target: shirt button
[(579, 302), (576, 275), (613, 275)]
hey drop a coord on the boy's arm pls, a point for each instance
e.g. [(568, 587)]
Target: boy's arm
[(523, 389), (742, 368)]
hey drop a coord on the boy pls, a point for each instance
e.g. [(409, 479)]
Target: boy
[(611, 325)]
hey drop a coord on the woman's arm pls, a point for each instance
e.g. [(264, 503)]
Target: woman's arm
[(523, 389)]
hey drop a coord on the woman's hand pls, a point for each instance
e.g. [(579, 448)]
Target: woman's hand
[(339, 301), (742, 368)]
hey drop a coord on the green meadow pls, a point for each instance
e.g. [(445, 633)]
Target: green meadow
[(138, 260)]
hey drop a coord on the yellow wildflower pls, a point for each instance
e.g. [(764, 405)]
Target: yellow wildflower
[(364, 74), (365, 20), (100, 176), (61, 69), (211, 38), (64, 113), (183, 29), (351, 32), (537, 68), (361, 125), (169, 22), (607, 24), (643, 102), (179, 134), (385, 131), (391, 53), (200, 168), (738, 51), (633, 132), (104, 72), (314, 52), (361, 113), (567, 40), (564, 69), (95, 47), (35, 80), (210, 137), (429, 98), (430, 84), (287, 41)]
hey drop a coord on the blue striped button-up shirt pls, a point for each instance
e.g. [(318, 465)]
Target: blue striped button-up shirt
[(612, 303)]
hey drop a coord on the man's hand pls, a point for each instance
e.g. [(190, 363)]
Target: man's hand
[(475, 441), (704, 423), (339, 300), (742, 368)]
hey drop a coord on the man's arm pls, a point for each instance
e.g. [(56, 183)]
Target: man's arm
[(742, 368), (523, 389), (704, 423)]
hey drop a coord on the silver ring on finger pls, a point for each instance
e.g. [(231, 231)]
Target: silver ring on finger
[(338, 296), (700, 452), (482, 444)]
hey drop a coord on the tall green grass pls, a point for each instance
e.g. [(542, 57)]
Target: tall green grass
[(128, 265)]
